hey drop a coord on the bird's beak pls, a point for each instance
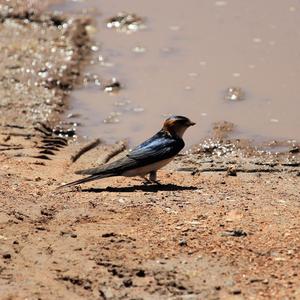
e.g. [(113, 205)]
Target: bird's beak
[(192, 123)]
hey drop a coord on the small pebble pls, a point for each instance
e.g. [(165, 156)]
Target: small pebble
[(231, 171), (112, 87), (234, 94), (235, 233), (6, 256), (127, 282), (182, 243), (140, 273), (294, 150), (126, 22)]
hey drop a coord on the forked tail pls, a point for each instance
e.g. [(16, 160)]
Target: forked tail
[(84, 180)]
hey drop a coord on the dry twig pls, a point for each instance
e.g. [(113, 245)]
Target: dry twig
[(85, 149), (120, 147)]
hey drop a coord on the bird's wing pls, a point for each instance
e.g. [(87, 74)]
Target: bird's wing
[(157, 148)]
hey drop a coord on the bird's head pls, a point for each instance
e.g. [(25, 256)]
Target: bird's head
[(177, 125)]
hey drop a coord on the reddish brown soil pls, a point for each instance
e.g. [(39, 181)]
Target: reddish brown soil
[(202, 236)]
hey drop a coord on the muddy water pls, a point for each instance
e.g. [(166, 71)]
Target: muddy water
[(184, 61)]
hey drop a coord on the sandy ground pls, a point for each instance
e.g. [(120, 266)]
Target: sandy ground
[(224, 224)]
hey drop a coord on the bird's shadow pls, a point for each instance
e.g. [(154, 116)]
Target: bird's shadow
[(145, 188)]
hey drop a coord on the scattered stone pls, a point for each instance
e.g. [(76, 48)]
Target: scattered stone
[(127, 282), (140, 273), (6, 256), (265, 281), (40, 228), (295, 149), (68, 233), (112, 118), (108, 234), (254, 280), (125, 22), (112, 87), (48, 212), (210, 147), (62, 132), (231, 171), (182, 243), (234, 94), (234, 233), (85, 283)]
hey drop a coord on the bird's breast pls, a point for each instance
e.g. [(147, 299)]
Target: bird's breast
[(141, 171)]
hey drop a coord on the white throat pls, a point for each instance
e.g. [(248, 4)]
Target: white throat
[(180, 131)]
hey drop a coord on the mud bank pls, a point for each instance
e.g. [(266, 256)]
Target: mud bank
[(41, 57)]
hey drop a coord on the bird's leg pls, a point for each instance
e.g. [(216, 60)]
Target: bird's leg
[(153, 176), (147, 181)]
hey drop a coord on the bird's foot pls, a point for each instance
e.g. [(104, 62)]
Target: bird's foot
[(150, 180), (156, 182), (146, 180)]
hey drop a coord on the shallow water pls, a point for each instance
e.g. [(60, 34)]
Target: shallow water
[(188, 56)]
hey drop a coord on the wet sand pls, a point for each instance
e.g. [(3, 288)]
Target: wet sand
[(41, 57), (224, 224)]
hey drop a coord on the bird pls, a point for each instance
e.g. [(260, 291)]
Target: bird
[(146, 158)]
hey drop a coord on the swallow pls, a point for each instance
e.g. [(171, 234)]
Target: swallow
[(147, 158)]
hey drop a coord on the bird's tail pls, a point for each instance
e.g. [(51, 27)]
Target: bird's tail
[(84, 180), (91, 171)]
